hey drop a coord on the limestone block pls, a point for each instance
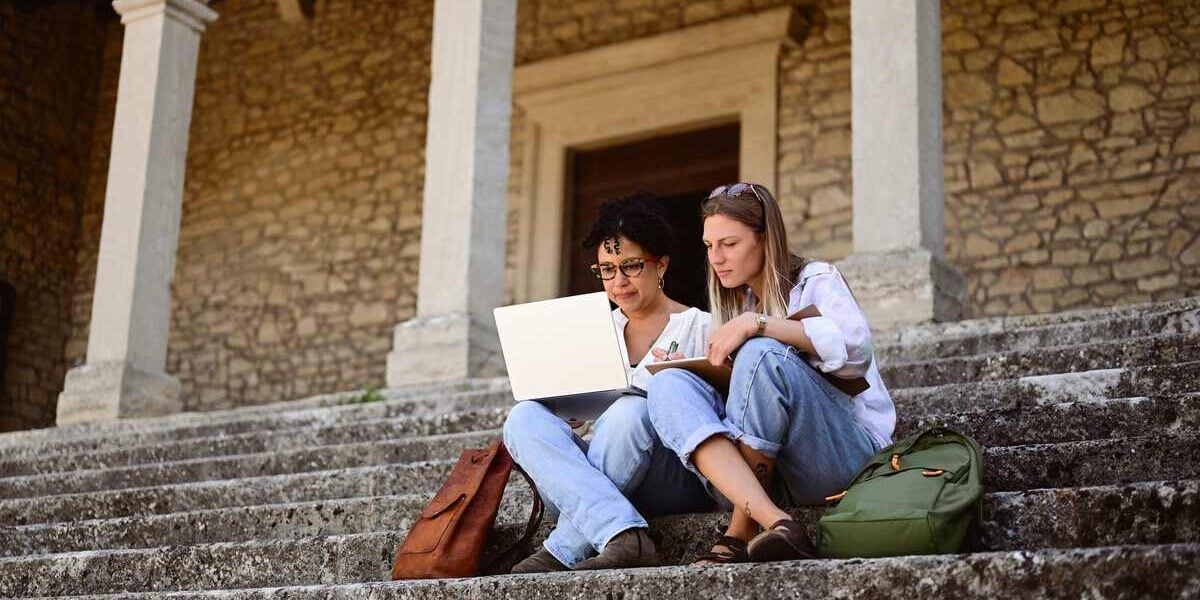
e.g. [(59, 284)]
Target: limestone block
[(967, 89), (443, 348), (1188, 141), (1129, 97), (109, 390), (1191, 255), (1108, 50), (897, 289), (1141, 267), (1075, 105), (1010, 73), (960, 40)]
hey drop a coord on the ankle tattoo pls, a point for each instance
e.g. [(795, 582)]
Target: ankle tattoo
[(762, 473), (747, 508)]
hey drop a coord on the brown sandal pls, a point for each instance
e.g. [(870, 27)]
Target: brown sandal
[(735, 554), (785, 540)]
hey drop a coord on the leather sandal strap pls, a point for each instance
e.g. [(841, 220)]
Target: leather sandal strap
[(796, 536), (732, 543), (736, 553)]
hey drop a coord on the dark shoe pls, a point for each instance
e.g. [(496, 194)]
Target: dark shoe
[(539, 562), (785, 540), (630, 548), (735, 552)]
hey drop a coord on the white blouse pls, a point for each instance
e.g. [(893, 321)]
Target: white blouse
[(843, 343), (689, 328)]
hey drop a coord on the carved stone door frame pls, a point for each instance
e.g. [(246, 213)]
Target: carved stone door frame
[(720, 72)]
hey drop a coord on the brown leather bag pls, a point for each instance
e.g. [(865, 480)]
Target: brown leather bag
[(448, 538)]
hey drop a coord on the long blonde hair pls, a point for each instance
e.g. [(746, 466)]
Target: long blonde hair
[(757, 209)]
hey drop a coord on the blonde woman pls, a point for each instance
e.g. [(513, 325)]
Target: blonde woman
[(781, 415)]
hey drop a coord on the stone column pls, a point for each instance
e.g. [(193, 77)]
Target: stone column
[(463, 230), (897, 269), (127, 343)]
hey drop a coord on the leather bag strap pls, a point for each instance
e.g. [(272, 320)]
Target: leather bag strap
[(535, 519)]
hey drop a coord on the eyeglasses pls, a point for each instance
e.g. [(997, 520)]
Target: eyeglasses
[(630, 267), (737, 189)]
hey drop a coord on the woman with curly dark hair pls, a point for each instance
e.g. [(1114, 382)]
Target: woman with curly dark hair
[(603, 487)]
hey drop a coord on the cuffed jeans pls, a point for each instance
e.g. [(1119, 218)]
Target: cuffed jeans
[(778, 406), (603, 487)]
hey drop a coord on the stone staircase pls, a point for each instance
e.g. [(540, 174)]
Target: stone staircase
[(1091, 422)]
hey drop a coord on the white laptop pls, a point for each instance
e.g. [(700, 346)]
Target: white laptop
[(564, 353)]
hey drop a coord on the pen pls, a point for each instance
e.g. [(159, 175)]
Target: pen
[(672, 348)]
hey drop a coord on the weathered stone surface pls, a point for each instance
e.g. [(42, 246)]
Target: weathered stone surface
[(340, 456), (342, 409), (968, 338), (1128, 572), (1070, 106), (1066, 451), (1060, 359), (1085, 420), (1129, 97), (252, 261), (390, 434), (272, 489), (1165, 513), (47, 124)]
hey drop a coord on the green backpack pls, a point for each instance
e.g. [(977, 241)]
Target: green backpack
[(920, 495)]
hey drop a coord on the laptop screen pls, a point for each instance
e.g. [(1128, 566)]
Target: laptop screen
[(561, 347)]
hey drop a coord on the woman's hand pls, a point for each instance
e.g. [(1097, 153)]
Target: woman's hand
[(726, 340), (661, 355)]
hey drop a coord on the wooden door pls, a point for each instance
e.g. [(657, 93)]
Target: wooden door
[(680, 169)]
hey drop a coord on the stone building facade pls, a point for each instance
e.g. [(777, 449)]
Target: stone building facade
[(1072, 170), (50, 62)]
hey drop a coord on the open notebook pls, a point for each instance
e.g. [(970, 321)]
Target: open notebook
[(719, 376)]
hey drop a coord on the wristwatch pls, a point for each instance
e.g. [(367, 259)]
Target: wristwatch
[(761, 320)]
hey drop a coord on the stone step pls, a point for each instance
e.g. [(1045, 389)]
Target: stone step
[(1009, 394), (1166, 512), (1099, 384), (322, 458), (930, 333), (1150, 571), (1156, 350), (1067, 422), (1164, 350), (970, 338), (386, 442), (1169, 512), (414, 399), (424, 407), (968, 371), (488, 415), (1014, 468)]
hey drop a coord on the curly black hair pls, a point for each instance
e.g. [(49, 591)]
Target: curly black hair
[(637, 218)]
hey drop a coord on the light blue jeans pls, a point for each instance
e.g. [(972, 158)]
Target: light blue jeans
[(604, 487), (778, 406)]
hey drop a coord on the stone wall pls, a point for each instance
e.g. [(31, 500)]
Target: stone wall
[(1072, 151), (301, 214), (1072, 129), (301, 223), (49, 57)]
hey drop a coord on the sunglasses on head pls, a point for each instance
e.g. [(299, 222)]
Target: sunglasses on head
[(734, 190)]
